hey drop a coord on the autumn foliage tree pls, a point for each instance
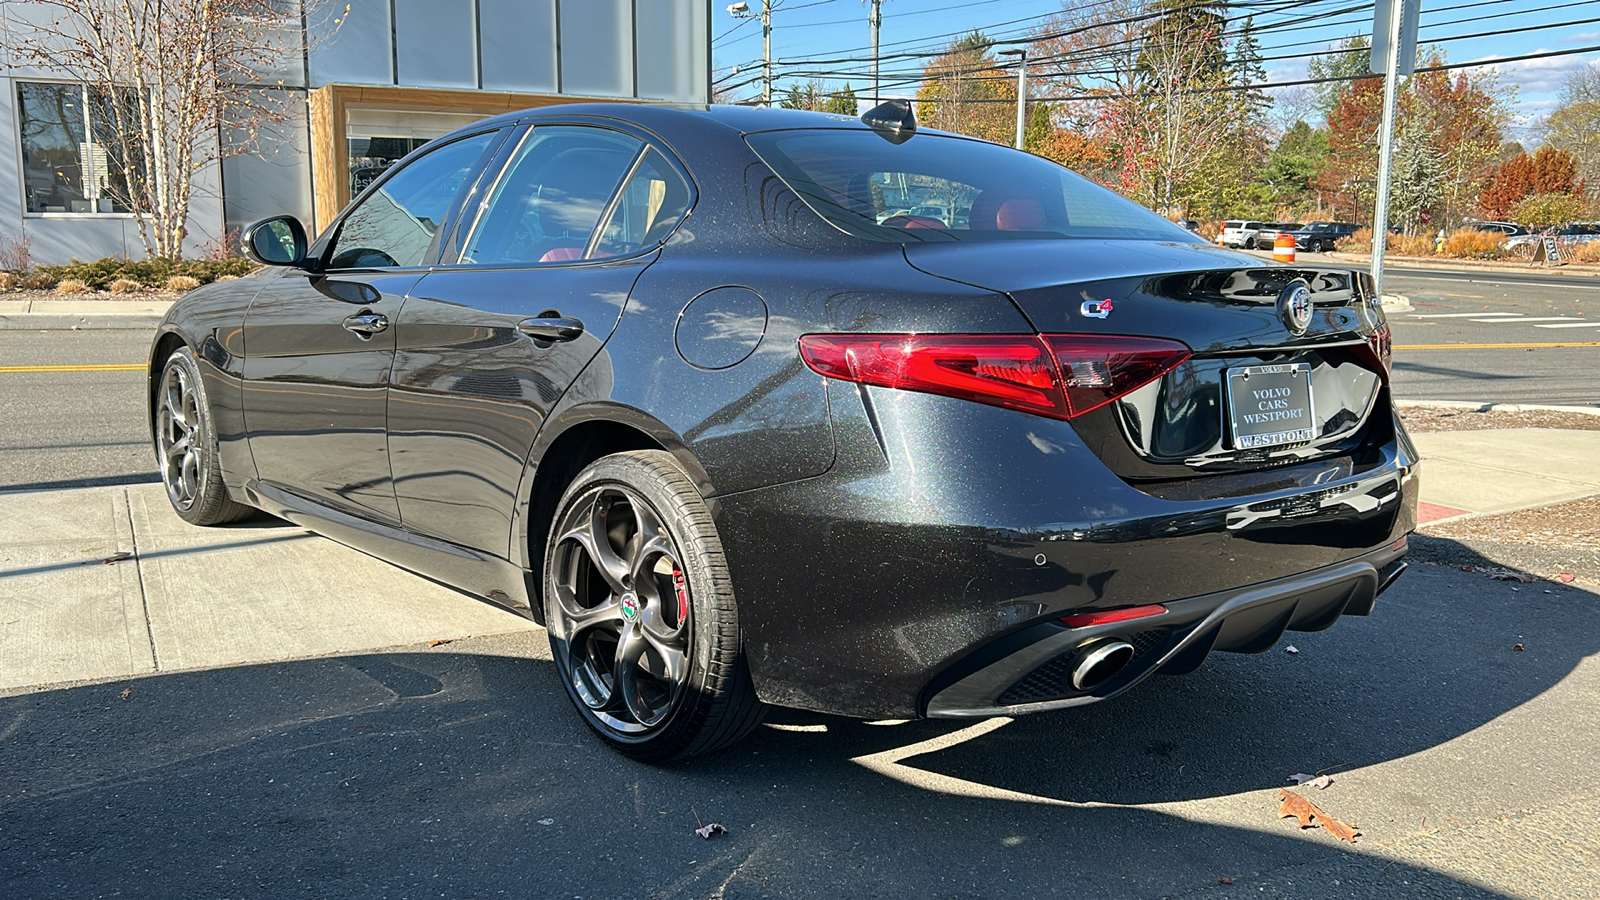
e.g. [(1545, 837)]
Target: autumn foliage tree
[(965, 91), (1547, 171)]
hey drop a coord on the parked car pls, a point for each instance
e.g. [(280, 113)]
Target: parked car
[(1509, 229), (659, 379), (1243, 233), (1319, 237), (1270, 231)]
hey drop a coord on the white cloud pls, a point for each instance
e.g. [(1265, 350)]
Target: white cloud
[(1539, 76)]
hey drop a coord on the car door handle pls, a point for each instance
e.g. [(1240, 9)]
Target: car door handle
[(366, 324), (551, 328)]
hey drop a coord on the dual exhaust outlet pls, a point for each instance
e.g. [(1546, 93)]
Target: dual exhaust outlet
[(1098, 662)]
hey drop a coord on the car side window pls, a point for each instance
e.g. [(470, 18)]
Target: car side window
[(546, 203), (653, 201), (395, 224)]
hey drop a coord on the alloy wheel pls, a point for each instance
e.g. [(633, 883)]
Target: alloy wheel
[(178, 439), (620, 620)]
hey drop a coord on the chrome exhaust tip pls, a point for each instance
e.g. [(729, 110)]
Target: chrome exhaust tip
[(1099, 663)]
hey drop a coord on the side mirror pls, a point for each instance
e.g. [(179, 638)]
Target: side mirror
[(278, 241)]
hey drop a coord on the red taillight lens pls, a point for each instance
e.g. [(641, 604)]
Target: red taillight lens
[(1056, 375), (1382, 344), (1107, 616), (1098, 369)]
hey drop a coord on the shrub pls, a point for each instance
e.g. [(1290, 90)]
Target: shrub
[(1587, 252), (1360, 242), (124, 286), (37, 281), (16, 252), (72, 286), (101, 273), (182, 283), (1410, 244), (8, 282), (1470, 243)]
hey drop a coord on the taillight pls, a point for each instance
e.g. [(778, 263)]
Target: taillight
[(1055, 375), (1382, 344)]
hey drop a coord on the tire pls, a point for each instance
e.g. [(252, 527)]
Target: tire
[(186, 446), (1250, 243), (640, 611)]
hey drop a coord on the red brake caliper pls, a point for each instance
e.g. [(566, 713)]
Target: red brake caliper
[(681, 586)]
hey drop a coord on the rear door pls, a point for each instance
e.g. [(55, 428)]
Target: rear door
[(490, 342), (319, 345)]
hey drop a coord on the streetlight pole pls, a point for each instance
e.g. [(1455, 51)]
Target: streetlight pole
[(1021, 53)]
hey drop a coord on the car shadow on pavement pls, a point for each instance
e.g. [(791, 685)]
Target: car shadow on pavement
[(461, 771)]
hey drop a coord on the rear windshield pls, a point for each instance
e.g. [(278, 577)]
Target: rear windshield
[(938, 188)]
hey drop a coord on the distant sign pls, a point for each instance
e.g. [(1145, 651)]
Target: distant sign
[(1547, 250), (1408, 35)]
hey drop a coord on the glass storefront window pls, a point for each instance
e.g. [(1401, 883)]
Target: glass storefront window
[(370, 156), (73, 159)]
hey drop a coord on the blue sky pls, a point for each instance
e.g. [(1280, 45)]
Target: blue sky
[(810, 30)]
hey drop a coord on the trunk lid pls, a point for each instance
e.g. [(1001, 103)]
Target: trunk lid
[(1319, 390)]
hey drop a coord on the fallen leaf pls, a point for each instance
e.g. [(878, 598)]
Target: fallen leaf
[(1565, 577), (441, 642), (116, 557), (127, 692), (1224, 880), (1307, 814), (1300, 778), (1517, 648), (1291, 649), (1321, 782), (547, 821), (706, 831)]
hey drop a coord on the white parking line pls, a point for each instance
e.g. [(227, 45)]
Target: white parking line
[(1460, 315), (1531, 319), (1572, 325)]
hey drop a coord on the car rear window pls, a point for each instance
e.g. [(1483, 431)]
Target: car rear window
[(942, 188)]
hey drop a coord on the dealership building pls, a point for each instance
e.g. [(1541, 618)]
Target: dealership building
[(361, 92)]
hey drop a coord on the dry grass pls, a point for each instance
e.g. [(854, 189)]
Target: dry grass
[(1360, 242), (182, 283), (38, 281), (1470, 243), (1587, 253), (72, 286), (125, 286), (229, 277), (8, 282)]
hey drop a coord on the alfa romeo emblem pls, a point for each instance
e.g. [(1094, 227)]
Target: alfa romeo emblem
[(1294, 307), (630, 606)]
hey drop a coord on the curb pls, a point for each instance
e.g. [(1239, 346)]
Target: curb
[(84, 307), (1496, 407)]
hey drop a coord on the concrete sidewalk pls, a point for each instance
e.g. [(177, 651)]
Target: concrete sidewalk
[(197, 598)]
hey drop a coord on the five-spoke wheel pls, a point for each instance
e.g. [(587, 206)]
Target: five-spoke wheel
[(640, 611)]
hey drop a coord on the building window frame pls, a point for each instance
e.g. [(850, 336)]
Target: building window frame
[(88, 171)]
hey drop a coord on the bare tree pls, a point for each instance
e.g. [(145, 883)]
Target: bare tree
[(1574, 126), (164, 77)]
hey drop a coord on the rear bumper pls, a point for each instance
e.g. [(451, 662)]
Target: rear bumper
[(1030, 671), (950, 536)]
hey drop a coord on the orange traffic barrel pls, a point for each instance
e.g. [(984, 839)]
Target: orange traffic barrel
[(1283, 249)]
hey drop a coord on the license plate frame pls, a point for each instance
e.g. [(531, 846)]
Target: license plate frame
[(1274, 412)]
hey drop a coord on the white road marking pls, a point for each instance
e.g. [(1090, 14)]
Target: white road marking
[(1459, 315), (1572, 325), (1530, 319)]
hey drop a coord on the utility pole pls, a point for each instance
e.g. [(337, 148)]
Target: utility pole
[(1394, 54), (741, 10), (766, 53), (875, 21)]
